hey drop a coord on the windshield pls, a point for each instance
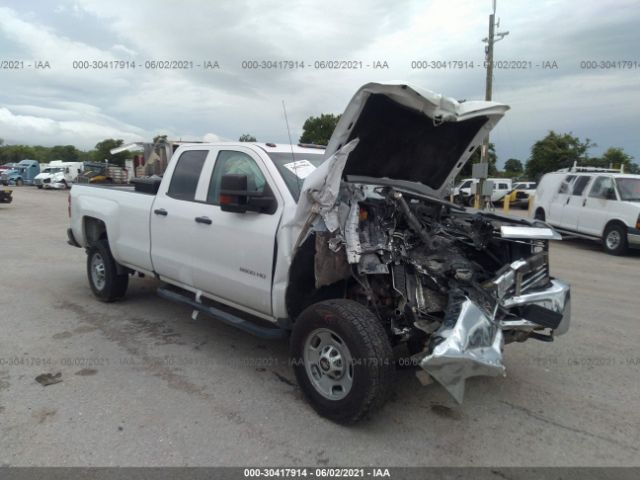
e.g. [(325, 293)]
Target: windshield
[(629, 189), (52, 170), (300, 163)]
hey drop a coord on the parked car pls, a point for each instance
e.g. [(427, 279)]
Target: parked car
[(519, 195), (6, 195), (23, 173), (592, 203), (351, 254), (463, 192), (58, 175)]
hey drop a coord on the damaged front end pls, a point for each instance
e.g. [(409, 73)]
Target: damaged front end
[(452, 285)]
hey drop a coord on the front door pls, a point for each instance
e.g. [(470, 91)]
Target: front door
[(595, 213), (235, 251)]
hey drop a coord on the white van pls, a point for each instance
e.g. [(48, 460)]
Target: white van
[(463, 191), (592, 203)]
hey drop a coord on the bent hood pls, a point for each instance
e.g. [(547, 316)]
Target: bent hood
[(409, 134)]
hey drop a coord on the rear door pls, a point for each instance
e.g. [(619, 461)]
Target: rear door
[(235, 251), (575, 202), (172, 217)]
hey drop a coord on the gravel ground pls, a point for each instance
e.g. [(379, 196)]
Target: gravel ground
[(144, 385)]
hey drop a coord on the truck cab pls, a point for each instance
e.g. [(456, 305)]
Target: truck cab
[(23, 173), (58, 175)]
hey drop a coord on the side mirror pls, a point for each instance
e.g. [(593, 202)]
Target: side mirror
[(234, 196)]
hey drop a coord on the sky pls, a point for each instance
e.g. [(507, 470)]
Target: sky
[(579, 66)]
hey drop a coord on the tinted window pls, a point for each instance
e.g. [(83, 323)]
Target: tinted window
[(580, 184), (186, 175), (564, 186), (238, 163), (600, 187)]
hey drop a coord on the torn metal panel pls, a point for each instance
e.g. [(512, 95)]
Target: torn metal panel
[(473, 347), (329, 266)]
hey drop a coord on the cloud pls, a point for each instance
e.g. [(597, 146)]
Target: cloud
[(83, 131), (232, 100)]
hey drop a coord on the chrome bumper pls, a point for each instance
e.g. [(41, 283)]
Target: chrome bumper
[(633, 237), (556, 297), (473, 346)]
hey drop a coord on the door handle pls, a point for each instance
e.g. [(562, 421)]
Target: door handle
[(584, 202), (160, 211), (568, 200), (205, 220)]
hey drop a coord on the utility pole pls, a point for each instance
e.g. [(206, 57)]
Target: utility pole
[(490, 41)]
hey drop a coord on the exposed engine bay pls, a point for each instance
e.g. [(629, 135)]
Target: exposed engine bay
[(453, 285)]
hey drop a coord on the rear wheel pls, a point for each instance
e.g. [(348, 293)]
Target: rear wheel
[(342, 359), (104, 280), (614, 239)]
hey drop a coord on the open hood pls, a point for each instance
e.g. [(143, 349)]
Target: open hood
[(409, 134)]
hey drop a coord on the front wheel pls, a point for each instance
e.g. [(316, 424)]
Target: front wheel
[(19, 182), (342, 359), (104, 280), (614, 240)]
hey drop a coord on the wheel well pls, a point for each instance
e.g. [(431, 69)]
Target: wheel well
[(541, 210), (94, 230), (301, 290), (611, 223)]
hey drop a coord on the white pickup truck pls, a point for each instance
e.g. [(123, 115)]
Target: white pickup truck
[(351, 251)]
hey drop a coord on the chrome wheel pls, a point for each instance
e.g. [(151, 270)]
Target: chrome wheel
[(328, 363), (98, 271), (613, 240)]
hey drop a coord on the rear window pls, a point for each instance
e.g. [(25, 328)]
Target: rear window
[(186, 175)]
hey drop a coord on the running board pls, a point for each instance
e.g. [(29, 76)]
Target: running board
[(224, 317)]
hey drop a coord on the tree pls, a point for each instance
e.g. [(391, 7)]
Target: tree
[(557, 151), (67, 153), (160, 139), (102, 153), (245, 137), (616, 157), (514, 167), (318, 130), (475, 158)]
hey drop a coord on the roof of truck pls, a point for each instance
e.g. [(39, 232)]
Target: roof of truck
[(269, 147)]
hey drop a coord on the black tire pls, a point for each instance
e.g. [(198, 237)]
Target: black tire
[(470, 200), (19, 182), (39, 187), (539, 215), (372, 370), (112, 286), (64, 184), (614, 239)]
